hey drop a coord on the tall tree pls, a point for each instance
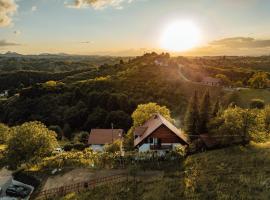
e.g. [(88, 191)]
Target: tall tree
[(216, 108), (205, 112), (192, 117)]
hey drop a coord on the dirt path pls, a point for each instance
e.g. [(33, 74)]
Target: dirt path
[(77, 176)]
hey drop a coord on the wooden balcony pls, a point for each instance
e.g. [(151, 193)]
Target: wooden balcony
[(160, 147)]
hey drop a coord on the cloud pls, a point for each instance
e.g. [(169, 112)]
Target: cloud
[(241, 42), (34, 8), (4, 43), (238, 46), (17, 32), (87, 42), (7, 10), (97, 4)]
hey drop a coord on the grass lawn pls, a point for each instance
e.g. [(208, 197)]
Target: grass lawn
[(245, 96)]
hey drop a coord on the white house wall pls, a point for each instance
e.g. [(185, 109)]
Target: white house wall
[(97, 147)]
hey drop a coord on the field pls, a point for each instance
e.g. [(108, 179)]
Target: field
[(245, 96)]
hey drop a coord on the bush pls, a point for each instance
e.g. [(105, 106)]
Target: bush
[(68, 147), (81, 137), (257, 103), (58, 131), (114, 147), (79, 146)]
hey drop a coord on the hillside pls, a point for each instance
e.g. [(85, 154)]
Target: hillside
[(231, 173), (84, 99), (96, 95)]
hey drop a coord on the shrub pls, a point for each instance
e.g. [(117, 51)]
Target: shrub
[(79, 146), (257, 103), (58, 131), (68, 147), (114, 147)]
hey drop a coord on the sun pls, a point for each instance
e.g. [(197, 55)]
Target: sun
[(180, 36)]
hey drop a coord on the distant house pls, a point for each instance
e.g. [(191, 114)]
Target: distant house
[(162, 62), (4, 94), (158, 134), (211, 81), (99, 137)]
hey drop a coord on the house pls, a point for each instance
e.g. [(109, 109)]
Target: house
[(4, 94), (211, 81), (158, 134), (161, 62), (99, 137)]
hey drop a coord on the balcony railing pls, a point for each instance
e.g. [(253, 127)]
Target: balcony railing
[(160, 147)]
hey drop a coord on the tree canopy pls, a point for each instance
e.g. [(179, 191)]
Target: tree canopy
[(29, 143), (145, 111)]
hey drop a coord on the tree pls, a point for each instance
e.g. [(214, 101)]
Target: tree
[(81, 137), (119, 118), (205, 112), (216, 108), (237, 122), (4, 133), (29, 143), (259, 80), (145, 111), (257, 103), (192, 117), (58, 130), (67, 131), (224, 79), (95, 119), (142, 113)]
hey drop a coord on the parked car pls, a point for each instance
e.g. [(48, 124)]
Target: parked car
[(18, 191)]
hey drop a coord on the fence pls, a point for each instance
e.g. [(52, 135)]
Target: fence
[(78, 187)]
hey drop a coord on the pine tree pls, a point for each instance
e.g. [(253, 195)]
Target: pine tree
[(216, 108), (192, 117), (205, 112)]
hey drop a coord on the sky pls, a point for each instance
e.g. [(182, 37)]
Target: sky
[(132, 27)]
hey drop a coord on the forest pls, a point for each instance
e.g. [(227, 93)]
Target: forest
[(94, 92)]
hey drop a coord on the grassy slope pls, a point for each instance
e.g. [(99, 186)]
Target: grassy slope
[(232, 173), (247, 95)]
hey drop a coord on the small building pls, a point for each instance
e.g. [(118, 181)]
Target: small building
[(158, 134), (99, 137), (161, 62), (4, 93), (211, 81)]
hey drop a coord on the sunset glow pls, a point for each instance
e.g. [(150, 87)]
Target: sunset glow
[(180, 36)]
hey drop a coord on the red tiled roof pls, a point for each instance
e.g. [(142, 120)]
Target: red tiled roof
[(154, 123), (104, 136), (211, 80), (139, 131)]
